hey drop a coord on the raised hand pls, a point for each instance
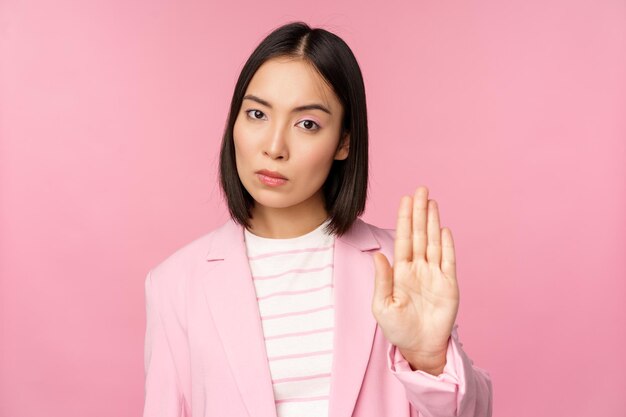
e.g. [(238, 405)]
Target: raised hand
[(416, 301)]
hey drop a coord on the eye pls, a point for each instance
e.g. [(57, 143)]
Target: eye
[(254, 113), (310, 123)]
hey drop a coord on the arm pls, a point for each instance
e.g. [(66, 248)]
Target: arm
[(415, 304), (461, 390), (162, 393)]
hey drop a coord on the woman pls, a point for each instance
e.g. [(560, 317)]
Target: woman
[(292, 307)]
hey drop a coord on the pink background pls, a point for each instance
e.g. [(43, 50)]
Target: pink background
[(512, 113)]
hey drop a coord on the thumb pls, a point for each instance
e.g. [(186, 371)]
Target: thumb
[(383, 280)]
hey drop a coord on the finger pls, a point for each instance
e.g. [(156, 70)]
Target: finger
[(420, 211), (448, 262), (383, 281), (402, 246), (433, 251)]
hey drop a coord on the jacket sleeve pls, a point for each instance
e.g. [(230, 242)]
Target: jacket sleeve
[(461, 390), (162, 392)]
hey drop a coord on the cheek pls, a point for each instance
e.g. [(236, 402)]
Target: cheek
[(317, 162), (241, 144), (237, 133), (321, 153)]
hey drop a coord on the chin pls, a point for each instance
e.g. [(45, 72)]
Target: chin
[(276, 203)]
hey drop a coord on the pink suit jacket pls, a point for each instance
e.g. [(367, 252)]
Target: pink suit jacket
[(205, 352)]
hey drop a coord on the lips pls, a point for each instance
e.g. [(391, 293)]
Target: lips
[(273, 174)]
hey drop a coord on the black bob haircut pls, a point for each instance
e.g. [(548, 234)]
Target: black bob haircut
[(345, 188)]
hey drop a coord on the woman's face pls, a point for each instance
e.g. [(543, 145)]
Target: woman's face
[(272, 132)]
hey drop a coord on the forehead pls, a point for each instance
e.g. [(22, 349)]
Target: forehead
[(290, 82)]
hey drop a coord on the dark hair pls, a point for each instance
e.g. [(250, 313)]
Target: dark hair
[(345, 188)]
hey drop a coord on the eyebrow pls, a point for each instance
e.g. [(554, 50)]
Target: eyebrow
[(295, 109)]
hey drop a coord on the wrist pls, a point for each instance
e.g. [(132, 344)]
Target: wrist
[(427, 362)]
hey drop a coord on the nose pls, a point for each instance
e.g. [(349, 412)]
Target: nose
[(276, 145)]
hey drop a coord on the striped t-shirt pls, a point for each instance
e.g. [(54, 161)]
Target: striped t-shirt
[(293, 279)]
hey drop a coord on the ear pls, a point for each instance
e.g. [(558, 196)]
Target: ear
[(344, 146)]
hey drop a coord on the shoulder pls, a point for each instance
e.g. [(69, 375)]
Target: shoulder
[(184, 260), (381, 231), (384, 236)]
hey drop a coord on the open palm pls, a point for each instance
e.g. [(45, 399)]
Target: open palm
[(416, 301)]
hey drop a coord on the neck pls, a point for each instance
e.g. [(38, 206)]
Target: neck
[(289, 222)]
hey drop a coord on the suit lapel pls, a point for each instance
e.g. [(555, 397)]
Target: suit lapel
[(231, 298), (354, 322)]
